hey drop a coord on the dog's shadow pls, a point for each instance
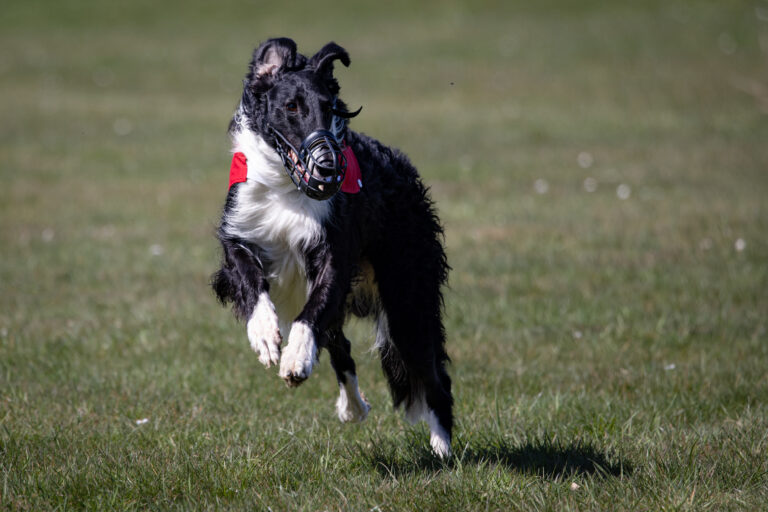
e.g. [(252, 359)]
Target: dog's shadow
[(542, 457)]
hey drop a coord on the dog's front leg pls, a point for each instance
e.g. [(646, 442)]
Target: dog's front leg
[(264, 331), (253, 300), (324, 307)]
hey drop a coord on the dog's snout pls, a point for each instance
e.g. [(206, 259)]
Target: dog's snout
[(323, 152), (326, 163), (318, 168)]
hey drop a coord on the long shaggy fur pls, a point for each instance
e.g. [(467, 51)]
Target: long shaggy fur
[(377, 253)]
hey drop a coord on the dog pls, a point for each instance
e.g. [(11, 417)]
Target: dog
[(321, 222)]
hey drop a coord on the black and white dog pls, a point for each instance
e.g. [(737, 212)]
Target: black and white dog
[(342, 225)]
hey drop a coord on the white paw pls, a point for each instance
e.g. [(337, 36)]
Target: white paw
[(439, 439), (352, 407), (299, 355), (264, 332), (441, 445)]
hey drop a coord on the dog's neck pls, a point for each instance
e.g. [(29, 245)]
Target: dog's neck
[(264, 164), (268, 207)]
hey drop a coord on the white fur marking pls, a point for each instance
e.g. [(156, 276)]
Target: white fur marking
[(382, 332), (268, 207), (264, 332), (438, 437), (352, 407), (271, 213), (299, 355)]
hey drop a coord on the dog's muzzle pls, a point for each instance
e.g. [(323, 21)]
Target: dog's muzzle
[(318, 167)]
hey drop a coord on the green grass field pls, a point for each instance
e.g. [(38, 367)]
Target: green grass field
[(602, 173)]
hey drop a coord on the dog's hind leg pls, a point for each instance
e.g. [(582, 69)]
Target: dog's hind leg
[(351, 406), (415, 369), (411, 337), (432, 402)]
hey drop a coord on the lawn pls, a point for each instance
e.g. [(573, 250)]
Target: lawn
[(601, 170)]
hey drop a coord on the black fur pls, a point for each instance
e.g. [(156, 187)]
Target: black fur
[(390, 226)]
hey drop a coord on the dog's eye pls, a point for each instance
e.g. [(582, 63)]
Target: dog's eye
[(291, 106)]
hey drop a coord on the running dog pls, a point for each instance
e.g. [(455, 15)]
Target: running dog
[(321, 222)]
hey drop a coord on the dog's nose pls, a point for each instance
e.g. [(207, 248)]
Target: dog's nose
[(323, 154), (326, 164)]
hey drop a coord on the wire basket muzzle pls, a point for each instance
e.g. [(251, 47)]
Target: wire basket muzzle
[(322, 157), (318, 168)]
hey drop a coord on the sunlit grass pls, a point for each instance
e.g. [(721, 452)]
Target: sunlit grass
[(600, 171)]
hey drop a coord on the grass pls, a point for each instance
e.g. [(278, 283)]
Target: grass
[(607, 353)]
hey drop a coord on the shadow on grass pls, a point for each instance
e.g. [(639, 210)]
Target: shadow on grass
[(542, 457)]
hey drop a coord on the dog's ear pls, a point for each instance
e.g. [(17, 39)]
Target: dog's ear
[(271, 57), (322, 61)]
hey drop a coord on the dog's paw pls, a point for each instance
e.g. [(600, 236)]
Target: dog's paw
[(351, 406), (264, 332), (299, 355), (439, 438), (441, 445)]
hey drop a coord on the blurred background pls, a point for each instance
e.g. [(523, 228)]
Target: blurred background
[(600, 168)]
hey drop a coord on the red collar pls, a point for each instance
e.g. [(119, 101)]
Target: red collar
[(238, 171)]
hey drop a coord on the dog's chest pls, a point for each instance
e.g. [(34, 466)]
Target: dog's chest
[(283, 226), (288, 285)]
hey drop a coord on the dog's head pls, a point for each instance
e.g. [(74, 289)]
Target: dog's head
[(292, 102)]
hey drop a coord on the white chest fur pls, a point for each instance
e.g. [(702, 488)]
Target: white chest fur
[(269, 212)]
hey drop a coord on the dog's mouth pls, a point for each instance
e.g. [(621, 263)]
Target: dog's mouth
[(317, 168), (301, 172)]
